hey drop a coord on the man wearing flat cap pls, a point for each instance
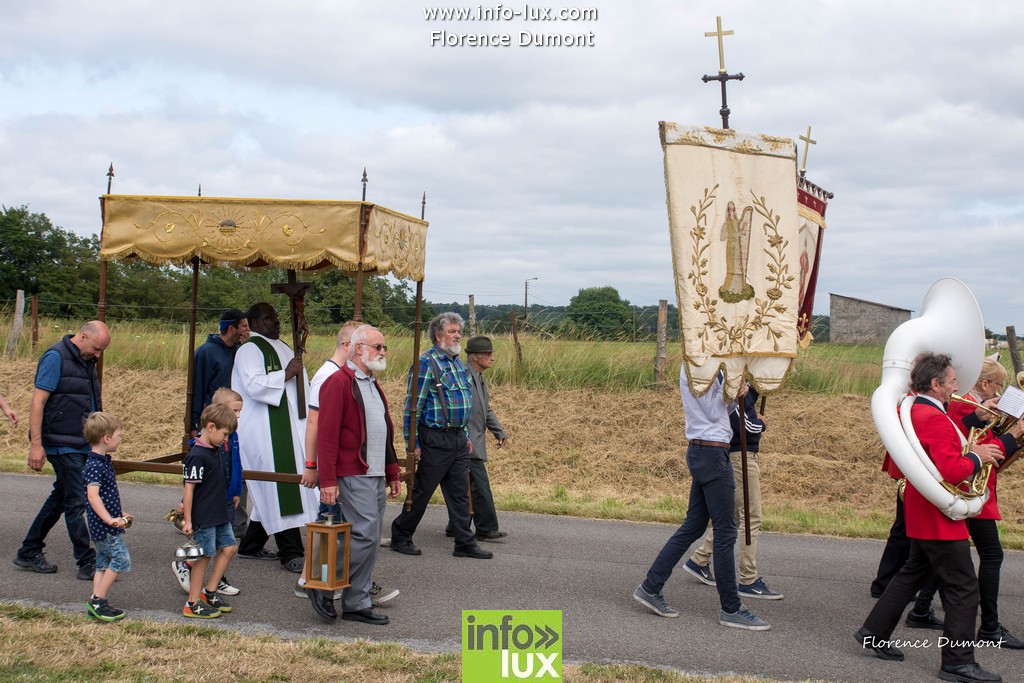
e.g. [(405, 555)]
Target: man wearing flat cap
[(482, 419)]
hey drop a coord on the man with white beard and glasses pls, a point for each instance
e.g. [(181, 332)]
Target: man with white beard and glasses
[(443, 405), (358, 466)]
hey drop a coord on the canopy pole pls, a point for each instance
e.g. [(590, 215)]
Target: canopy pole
[(101, 304), (364, 221), (193, 309), (417, 327)]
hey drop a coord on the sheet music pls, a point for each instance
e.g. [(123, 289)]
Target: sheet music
[(1012, 402)]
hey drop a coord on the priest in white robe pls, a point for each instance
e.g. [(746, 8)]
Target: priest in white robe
[(271, 438)]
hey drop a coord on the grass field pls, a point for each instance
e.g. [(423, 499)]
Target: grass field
[(547, 363)]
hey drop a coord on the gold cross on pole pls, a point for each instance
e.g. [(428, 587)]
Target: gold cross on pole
[(807, 144), (721, 48)]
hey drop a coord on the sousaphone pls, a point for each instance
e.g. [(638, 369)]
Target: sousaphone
[(950, 323)]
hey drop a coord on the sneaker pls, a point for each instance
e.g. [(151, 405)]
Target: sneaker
[(742, 618), (758, 589), (97, 608), (380, 595), (36, 564), (295, 565), (225, 587), (200, 610), (703, 573), (655, 603), (215, 601), (86, 573), (182, 573), (302, 592), (261, 554)]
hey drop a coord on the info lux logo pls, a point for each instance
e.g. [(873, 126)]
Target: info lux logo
[(507, 645)]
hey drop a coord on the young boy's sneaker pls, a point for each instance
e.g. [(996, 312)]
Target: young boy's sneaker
[(702, 573), (758, 589), (182, 573), (225, 587), (654, 602), (98, 608), (743, 618), (380, 595), (200, 610), (214, 600)]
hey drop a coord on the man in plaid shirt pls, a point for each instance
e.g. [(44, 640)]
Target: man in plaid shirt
[(443, 404)]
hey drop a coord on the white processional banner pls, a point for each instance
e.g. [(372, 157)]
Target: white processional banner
[(733, 222)]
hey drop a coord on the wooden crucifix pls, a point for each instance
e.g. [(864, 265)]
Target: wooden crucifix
[(722, 76), (807, 145), (296, 292)]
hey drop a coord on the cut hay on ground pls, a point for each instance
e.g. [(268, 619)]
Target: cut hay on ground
[(605, 454)]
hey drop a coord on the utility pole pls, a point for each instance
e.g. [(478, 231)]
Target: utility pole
[(526, 298)]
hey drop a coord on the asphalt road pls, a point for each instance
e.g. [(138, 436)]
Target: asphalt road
[(586, 568)]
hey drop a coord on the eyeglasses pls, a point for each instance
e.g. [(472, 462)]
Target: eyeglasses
[(379, 347)]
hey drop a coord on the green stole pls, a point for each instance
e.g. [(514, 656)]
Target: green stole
[(289, 500)]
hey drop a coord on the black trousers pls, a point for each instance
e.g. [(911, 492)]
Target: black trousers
[(289, 542), (985, 535), (444, 461), (951, 560), (897, 550)]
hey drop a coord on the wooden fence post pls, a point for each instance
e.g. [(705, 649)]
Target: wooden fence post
[(1011, 342), (515, 337), (659, 352), (19, 322), (472, 316), (35, 324)]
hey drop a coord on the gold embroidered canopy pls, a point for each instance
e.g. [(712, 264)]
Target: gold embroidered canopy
[(284, 233)]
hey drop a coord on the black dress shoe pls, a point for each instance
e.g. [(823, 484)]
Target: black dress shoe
[(880, 646), (476, 552), (407, 548), (1000, 638), (323, 603), (915, 620), (968, 673), (490, 535), (367, 616)]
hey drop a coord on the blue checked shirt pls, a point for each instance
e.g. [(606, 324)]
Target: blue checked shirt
[(454, 382)]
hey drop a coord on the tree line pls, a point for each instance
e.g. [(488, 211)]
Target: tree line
[(62, 269)]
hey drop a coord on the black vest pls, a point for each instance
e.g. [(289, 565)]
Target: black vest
[(67, 407)]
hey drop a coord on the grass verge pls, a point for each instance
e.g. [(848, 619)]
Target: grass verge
[(78, 649)]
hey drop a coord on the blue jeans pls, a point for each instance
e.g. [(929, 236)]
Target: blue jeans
[(112, 554), (712, 497), (67, 498), (213, 538)]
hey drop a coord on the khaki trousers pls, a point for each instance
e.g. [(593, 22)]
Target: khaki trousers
[(747, 553)]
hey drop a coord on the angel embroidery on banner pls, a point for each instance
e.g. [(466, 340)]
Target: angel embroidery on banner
[(736, 235)]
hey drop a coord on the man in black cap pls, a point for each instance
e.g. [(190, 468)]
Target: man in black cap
[(214, 360), (480, 356)]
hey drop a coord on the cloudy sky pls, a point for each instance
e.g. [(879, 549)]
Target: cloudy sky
[(538, 161)]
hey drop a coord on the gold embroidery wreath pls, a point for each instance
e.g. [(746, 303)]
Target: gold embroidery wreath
[(736, 336)]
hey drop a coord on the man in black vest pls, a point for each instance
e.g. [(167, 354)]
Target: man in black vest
[(67, 390)]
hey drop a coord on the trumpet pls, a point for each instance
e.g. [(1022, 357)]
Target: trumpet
[(1000, 424)]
